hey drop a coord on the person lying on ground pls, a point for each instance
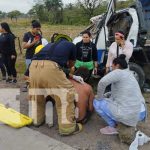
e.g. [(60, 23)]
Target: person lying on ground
[(85, 95), (126, 104)]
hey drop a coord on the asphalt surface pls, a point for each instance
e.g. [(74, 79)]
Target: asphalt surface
[(89, 139)]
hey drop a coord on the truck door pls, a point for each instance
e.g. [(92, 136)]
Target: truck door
[(102, 36)]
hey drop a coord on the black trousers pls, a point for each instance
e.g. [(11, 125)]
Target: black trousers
[(2, 66), (10, 65)]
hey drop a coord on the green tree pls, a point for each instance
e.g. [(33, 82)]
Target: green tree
[(14, 14), (89, 6), (40, 12), (124, 4), (55, 7), (32, 13)]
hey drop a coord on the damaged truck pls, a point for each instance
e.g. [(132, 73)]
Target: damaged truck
[(135, 22)]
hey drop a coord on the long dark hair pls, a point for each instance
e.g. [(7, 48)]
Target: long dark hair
[(121, 61), (35, 24), (6, 27), (86, 32)]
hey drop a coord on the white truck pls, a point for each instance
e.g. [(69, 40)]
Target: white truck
[(135, 22)]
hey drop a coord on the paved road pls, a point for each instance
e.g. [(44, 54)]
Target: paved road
[(25, 138)]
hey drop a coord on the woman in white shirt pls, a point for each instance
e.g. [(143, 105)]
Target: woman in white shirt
[(120, 46), (125, 103)]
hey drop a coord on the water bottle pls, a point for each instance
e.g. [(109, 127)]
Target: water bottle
[(49, 114)]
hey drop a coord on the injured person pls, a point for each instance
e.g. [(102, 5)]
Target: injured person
[(85, 93)]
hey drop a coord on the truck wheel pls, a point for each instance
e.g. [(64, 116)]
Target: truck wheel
[(138, 73)]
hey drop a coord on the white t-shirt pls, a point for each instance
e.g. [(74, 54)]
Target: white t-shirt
[(112, 54)]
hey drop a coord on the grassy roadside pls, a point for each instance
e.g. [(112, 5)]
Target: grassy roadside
[(24, 25)]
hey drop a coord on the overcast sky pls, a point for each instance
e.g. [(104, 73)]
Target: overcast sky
[(21, 5)]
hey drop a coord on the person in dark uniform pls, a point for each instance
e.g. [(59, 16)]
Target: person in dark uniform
[(48, 71)]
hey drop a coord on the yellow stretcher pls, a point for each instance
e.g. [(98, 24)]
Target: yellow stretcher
[(13, 118)]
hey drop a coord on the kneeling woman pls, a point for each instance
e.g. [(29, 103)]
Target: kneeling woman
[(125, 103)]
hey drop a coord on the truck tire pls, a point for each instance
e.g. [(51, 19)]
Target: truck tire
[(138, 73)]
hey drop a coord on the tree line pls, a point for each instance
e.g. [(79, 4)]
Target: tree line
[(55, 12)]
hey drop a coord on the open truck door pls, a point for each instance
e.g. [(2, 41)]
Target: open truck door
[(101, 39), (102, 35)]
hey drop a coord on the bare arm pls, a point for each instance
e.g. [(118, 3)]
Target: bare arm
[(91, 98), (128, 50)]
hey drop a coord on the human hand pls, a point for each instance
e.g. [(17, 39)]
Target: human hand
[(122, 43), (107, 70), (36, 39), (78, 79)]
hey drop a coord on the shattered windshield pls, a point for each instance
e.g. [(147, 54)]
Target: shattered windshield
[(94, 26)]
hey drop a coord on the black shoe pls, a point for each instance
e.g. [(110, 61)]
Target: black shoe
[(9, 80), (14, 81)]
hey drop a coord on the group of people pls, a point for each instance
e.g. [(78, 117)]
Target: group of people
[(65, 69)]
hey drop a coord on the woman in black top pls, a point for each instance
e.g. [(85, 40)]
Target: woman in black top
[(86, 53), (7, 48)]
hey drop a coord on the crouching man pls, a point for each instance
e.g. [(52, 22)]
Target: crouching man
[(46, 74)]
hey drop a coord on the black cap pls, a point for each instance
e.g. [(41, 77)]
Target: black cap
[(36, 24)]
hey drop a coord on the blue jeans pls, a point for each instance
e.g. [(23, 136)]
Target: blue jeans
[(101, 107), (28, 62)]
